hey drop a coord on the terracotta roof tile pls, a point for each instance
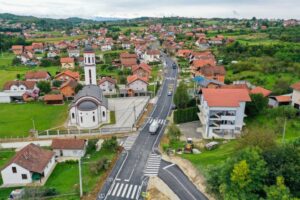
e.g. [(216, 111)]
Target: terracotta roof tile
[(132, 78), (296, 86), (225, 97), (37, 75), (68, 144), (67, 60), (261, 90), (28, 84), (53, 97), (32, 158), (109, 79), (283, 98)]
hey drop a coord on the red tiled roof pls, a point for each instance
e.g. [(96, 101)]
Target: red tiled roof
[(296, 86), (68, 144), (32, 158), (209, 70), (153, 52), (128, 55), (283, 98), (109, 79), (69, 73), (67, 60), (53, 97), (17, 47), (143, 66), (37, 75), (135, 77), (235, 86), (28, 84), (225, 97), (72, 83), (261, 90), (203, 62)]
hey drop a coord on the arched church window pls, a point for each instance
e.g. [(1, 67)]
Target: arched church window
[(103, 113)]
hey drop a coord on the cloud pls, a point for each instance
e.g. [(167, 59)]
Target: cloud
[(153, 8)]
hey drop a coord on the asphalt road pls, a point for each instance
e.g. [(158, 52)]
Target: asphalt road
[(130, 175)]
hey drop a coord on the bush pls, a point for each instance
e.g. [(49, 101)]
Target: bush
[(91, 147), (44, 87), (173, 132), (110, 144), (185, 115)]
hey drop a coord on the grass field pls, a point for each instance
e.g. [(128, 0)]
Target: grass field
[(70, 184), (16, 119), (56, 39), (10, 73)]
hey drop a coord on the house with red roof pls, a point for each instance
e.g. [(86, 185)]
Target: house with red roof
[(151, 56), (32, 164), (17, 49), (261, 90), (67, 63), (142, 70), (72, 148), (107, 85), (211, 72), (281, 100), (37, 76), (67, 75), (296, 95), (128, 60), (136, 83), (222, 112)]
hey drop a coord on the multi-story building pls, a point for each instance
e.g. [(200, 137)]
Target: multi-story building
[(222, 112)]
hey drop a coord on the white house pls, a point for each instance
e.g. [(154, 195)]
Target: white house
[(74, 53), (31, 164), (137, 83), (90, 107), (14, 90), (222, 112), (106, 47), (151, 56), (296, 95), (69, 147), (107, 85)]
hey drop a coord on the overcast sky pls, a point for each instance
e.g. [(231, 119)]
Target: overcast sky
[(153, 8)]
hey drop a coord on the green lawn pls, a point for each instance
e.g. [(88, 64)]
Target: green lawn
[(16, 119), (70, 184), (6, 59), (10, 73), (56, 39)]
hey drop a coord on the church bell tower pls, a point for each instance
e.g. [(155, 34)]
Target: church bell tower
[(89, 66)]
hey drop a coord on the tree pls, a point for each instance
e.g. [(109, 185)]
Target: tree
[(174, 132), (181, 97), (257, 105), (255, 138), (44, 86), (16, 61), (284, 161), (78, 88), (45, 63), (241, 174), (110, 144), (278, 191), (56, 83)]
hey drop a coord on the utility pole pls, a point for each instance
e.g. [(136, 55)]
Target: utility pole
[(33, 124), (80, 176), (283, 133), (134, 114)]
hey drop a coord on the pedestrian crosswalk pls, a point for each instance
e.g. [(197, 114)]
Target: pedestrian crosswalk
[(153, 165), (129, 142), (160, 121), (170, 78), (124, 190)]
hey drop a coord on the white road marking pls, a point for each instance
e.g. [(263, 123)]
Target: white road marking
[(129, 191), (133, 192), (125, 189), (115, 190), (120, 189), (166, 167)]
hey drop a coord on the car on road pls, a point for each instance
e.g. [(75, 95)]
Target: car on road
[(170, 93), (174, 65), (153, 127)]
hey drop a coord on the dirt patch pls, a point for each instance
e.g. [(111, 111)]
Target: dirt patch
[(158, 190), (193, 174)]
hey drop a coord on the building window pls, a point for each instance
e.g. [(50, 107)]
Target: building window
[(14, 169), (81, 119), (94, 119), (89, 60), (24, 176), (103, 113), (90, 76), (73, 115)]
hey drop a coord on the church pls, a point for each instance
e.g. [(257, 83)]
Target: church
[(90, 107)]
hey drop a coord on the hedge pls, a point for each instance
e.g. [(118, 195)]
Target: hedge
[(185, 115)]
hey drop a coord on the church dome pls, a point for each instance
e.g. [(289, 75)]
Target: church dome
[(88, 49), (87, 106)]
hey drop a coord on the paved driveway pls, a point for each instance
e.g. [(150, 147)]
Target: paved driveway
[(189, 130)]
